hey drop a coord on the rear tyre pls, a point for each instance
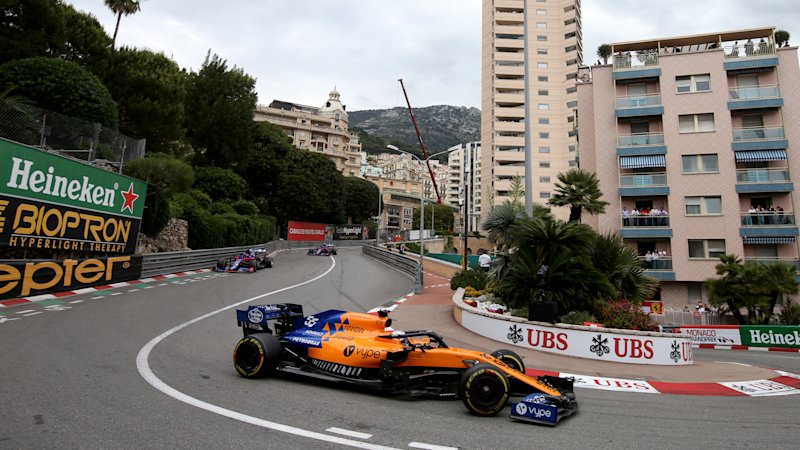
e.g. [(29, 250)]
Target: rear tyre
[(257, 355), (484, 389), (268, 263), (510, 359)]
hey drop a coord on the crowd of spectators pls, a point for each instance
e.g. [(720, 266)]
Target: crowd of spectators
[(644, 217)]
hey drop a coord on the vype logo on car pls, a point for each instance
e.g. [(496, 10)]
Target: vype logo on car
[(348, 351)]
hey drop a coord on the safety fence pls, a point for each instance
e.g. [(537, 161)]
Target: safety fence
[(402, 263)]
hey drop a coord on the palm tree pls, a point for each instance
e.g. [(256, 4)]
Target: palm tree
[(604, 52), (739, 286), (779, 280), (120, 7), (580, 191), (621, 265)]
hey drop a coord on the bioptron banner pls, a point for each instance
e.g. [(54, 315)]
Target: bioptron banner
[(50, 202), (306, 231)]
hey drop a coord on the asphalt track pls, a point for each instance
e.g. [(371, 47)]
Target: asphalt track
[(150, 367)]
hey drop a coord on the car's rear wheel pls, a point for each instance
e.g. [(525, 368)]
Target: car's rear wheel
[(257, 355), (268, 263), (484, 389), (510, 359)]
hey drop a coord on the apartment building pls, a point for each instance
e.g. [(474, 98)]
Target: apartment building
[(464, 170), (693, 133), (554, 55), (319, 129)]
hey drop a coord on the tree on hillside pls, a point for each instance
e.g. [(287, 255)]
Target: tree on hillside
[(29, 28), (441, 214), (267, 163), (219, 113), (580, 191), (60, 86), (311, 190), (164, 175), (219, 183), (85, 40), (150, 91), (361, 199), (120, 8)]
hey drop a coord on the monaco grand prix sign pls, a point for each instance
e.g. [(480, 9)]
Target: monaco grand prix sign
[(52, 203)]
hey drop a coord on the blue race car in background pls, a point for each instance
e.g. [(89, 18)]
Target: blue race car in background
[(323, 250), (250, 261)]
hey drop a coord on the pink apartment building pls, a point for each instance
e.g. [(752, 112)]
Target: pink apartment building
[(699, 130)]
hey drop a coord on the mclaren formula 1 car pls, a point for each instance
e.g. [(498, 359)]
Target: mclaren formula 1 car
[(364, 350), (323, 250), (252, 260)]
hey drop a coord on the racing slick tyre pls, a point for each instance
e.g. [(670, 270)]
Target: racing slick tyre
[(221, 264), (484, 389), (268, 263), (510, 359), (257, 355)]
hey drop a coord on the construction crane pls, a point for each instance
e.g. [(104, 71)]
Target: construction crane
[(421, 144)]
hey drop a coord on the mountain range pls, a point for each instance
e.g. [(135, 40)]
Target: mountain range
[(441, 127)]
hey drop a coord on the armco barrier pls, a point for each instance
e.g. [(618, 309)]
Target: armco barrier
[(600, 344), (400, 262)]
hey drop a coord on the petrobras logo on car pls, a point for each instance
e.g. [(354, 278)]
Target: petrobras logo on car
[(255, 315)]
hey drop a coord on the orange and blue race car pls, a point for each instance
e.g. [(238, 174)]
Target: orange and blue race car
[(364, 350)]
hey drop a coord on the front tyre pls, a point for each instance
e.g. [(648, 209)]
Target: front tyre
[(510, 359), (484, 389), (257, 355)]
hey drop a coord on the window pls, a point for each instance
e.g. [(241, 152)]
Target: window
[(541, 24), (696, 123), (703, 206), (544, 135), (706, 248), (544, 92), (541, 51), (693, 83), (543, 106), (544, 149), (544, 195), (541, 65), (541, 12), (573, 163), (544, 179), (543, 78), (572, 90), (694, 291), (541, 38), (544, 121), (571, 48), (700, 163), (407, 212), (544, 164), (572, 104)]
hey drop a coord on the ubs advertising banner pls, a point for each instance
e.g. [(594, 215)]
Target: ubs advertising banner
[(305, 231), (26, 279), (49, 202)]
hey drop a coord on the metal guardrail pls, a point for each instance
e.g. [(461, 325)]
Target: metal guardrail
[(171, 262), (399, 262)]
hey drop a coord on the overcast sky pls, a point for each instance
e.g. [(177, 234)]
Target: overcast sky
[(298, 50)]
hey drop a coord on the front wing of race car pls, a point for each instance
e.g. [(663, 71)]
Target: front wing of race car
[(545, 409)]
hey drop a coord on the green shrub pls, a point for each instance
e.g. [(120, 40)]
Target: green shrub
[(157, 213), (471, 277), (205, 229), (414, 248), (790, 314), (202, 199), (624, 315), (246, 208), (218, 208), (520, 312), (578, 317), (219, 183)]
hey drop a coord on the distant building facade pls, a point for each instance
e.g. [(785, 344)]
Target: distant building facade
[(690, 137), (464, 170)]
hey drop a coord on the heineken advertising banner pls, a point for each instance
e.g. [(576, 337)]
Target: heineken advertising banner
[(770, 335), (49, 202), (26, 279)]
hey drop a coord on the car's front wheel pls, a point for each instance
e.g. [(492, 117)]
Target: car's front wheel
[(484, 389), (257, 355), (510, 359)]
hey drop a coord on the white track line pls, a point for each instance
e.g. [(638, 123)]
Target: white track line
[(143, 365), (344, 432), (430, 446)]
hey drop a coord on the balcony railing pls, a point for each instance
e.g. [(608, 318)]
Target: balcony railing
[(757, 134), (748, 50), (640, 139), (636, 59), (754, 92), (638, 101), (754, 176), (773, 260), (643, 179), (767, 219), (645, 221), (660, 263)]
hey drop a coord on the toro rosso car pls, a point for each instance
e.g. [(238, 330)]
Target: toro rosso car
[(250, 261), (323, 250), (364, 350)]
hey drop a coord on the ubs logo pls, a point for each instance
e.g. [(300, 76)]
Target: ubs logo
[(349, 350)]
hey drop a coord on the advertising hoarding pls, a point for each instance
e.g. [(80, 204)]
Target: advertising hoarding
[(306, 231)]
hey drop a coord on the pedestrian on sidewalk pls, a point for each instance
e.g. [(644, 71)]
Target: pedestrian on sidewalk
[(485, 261)]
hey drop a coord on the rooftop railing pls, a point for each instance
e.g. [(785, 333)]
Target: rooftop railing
[(641, 58), (749, 49)]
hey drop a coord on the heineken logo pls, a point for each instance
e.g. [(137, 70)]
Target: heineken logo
[(25, 177)]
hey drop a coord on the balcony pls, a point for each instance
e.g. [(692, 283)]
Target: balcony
[(763, 180), (641, 64), (767, 219), (643, 226), (754, 97), (759, 138), (639, 105), (641, 144), (738, 57), (660, 268), (637, 180), (775, 260)]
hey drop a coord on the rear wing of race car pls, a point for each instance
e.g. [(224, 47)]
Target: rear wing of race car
[(256, 317)]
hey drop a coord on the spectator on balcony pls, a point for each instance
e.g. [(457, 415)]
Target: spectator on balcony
[(761, 214), (648, 260), (781, 217), (625, 219), (735, 49), (762, 47), (656, 260), (635, 214), (748, 48), (751, 217), (772, 218)]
